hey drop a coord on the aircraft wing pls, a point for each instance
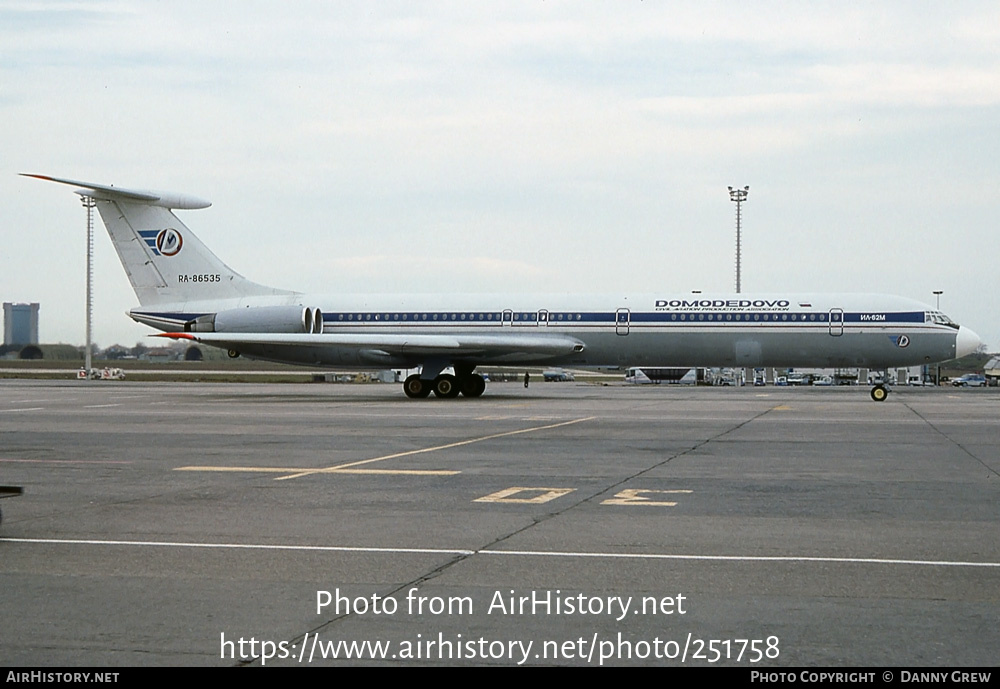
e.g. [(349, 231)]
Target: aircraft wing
[(484, 346)]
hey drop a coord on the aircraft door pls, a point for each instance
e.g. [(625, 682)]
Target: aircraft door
[(508, 317), (543, 318), (622, 321), (836, 322)]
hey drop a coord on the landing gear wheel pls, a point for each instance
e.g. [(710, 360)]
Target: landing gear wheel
[(473, 385), (416, 388), (879, 393), (446, 386), (233, 354)]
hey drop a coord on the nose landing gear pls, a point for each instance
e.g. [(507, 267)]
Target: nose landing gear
[(880, 392)]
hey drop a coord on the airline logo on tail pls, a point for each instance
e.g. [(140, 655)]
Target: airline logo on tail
[(166, 242)]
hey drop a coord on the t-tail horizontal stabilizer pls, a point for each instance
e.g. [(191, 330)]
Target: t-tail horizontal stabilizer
[(145, 197)]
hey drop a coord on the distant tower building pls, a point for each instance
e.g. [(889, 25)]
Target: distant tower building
[(20, 324)]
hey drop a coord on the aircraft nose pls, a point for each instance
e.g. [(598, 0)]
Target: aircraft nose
[(966, 342)]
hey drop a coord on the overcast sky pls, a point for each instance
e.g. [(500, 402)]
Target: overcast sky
[(511, 146)]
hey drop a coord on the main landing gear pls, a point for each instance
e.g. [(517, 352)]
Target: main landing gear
[(445, 385)]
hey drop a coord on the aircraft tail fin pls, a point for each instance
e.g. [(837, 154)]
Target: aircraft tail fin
[(165, 261)]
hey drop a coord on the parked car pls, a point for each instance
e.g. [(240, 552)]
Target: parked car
[(970, 380), (557, 375)]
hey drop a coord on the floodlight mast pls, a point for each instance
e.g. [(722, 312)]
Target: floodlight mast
[(89, 204), (738, 196), (937, 294)]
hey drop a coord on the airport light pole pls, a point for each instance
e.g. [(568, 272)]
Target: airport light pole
[(89, 203), (937, 294), (738, 196)]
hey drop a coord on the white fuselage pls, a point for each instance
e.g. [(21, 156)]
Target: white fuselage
[(821, 330)]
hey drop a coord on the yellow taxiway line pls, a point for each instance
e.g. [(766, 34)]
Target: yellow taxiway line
[(292, 472)]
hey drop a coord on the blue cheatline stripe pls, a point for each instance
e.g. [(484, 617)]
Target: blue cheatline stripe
[(570, 319), (574, 318)]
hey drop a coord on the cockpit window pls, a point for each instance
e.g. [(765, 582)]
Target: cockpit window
[(940, 319)]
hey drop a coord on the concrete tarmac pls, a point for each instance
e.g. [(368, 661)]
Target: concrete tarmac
[(563, 524)]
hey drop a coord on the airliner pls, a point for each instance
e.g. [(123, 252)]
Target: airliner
[(185, 291)]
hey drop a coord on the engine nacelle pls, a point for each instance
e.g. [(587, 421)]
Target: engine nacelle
[(261, 319)]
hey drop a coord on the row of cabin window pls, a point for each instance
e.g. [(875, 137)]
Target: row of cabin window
[(747, 316), (571, 317), (452, 317)]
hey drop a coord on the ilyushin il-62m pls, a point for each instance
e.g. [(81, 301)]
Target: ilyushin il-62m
[(187, 292)]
